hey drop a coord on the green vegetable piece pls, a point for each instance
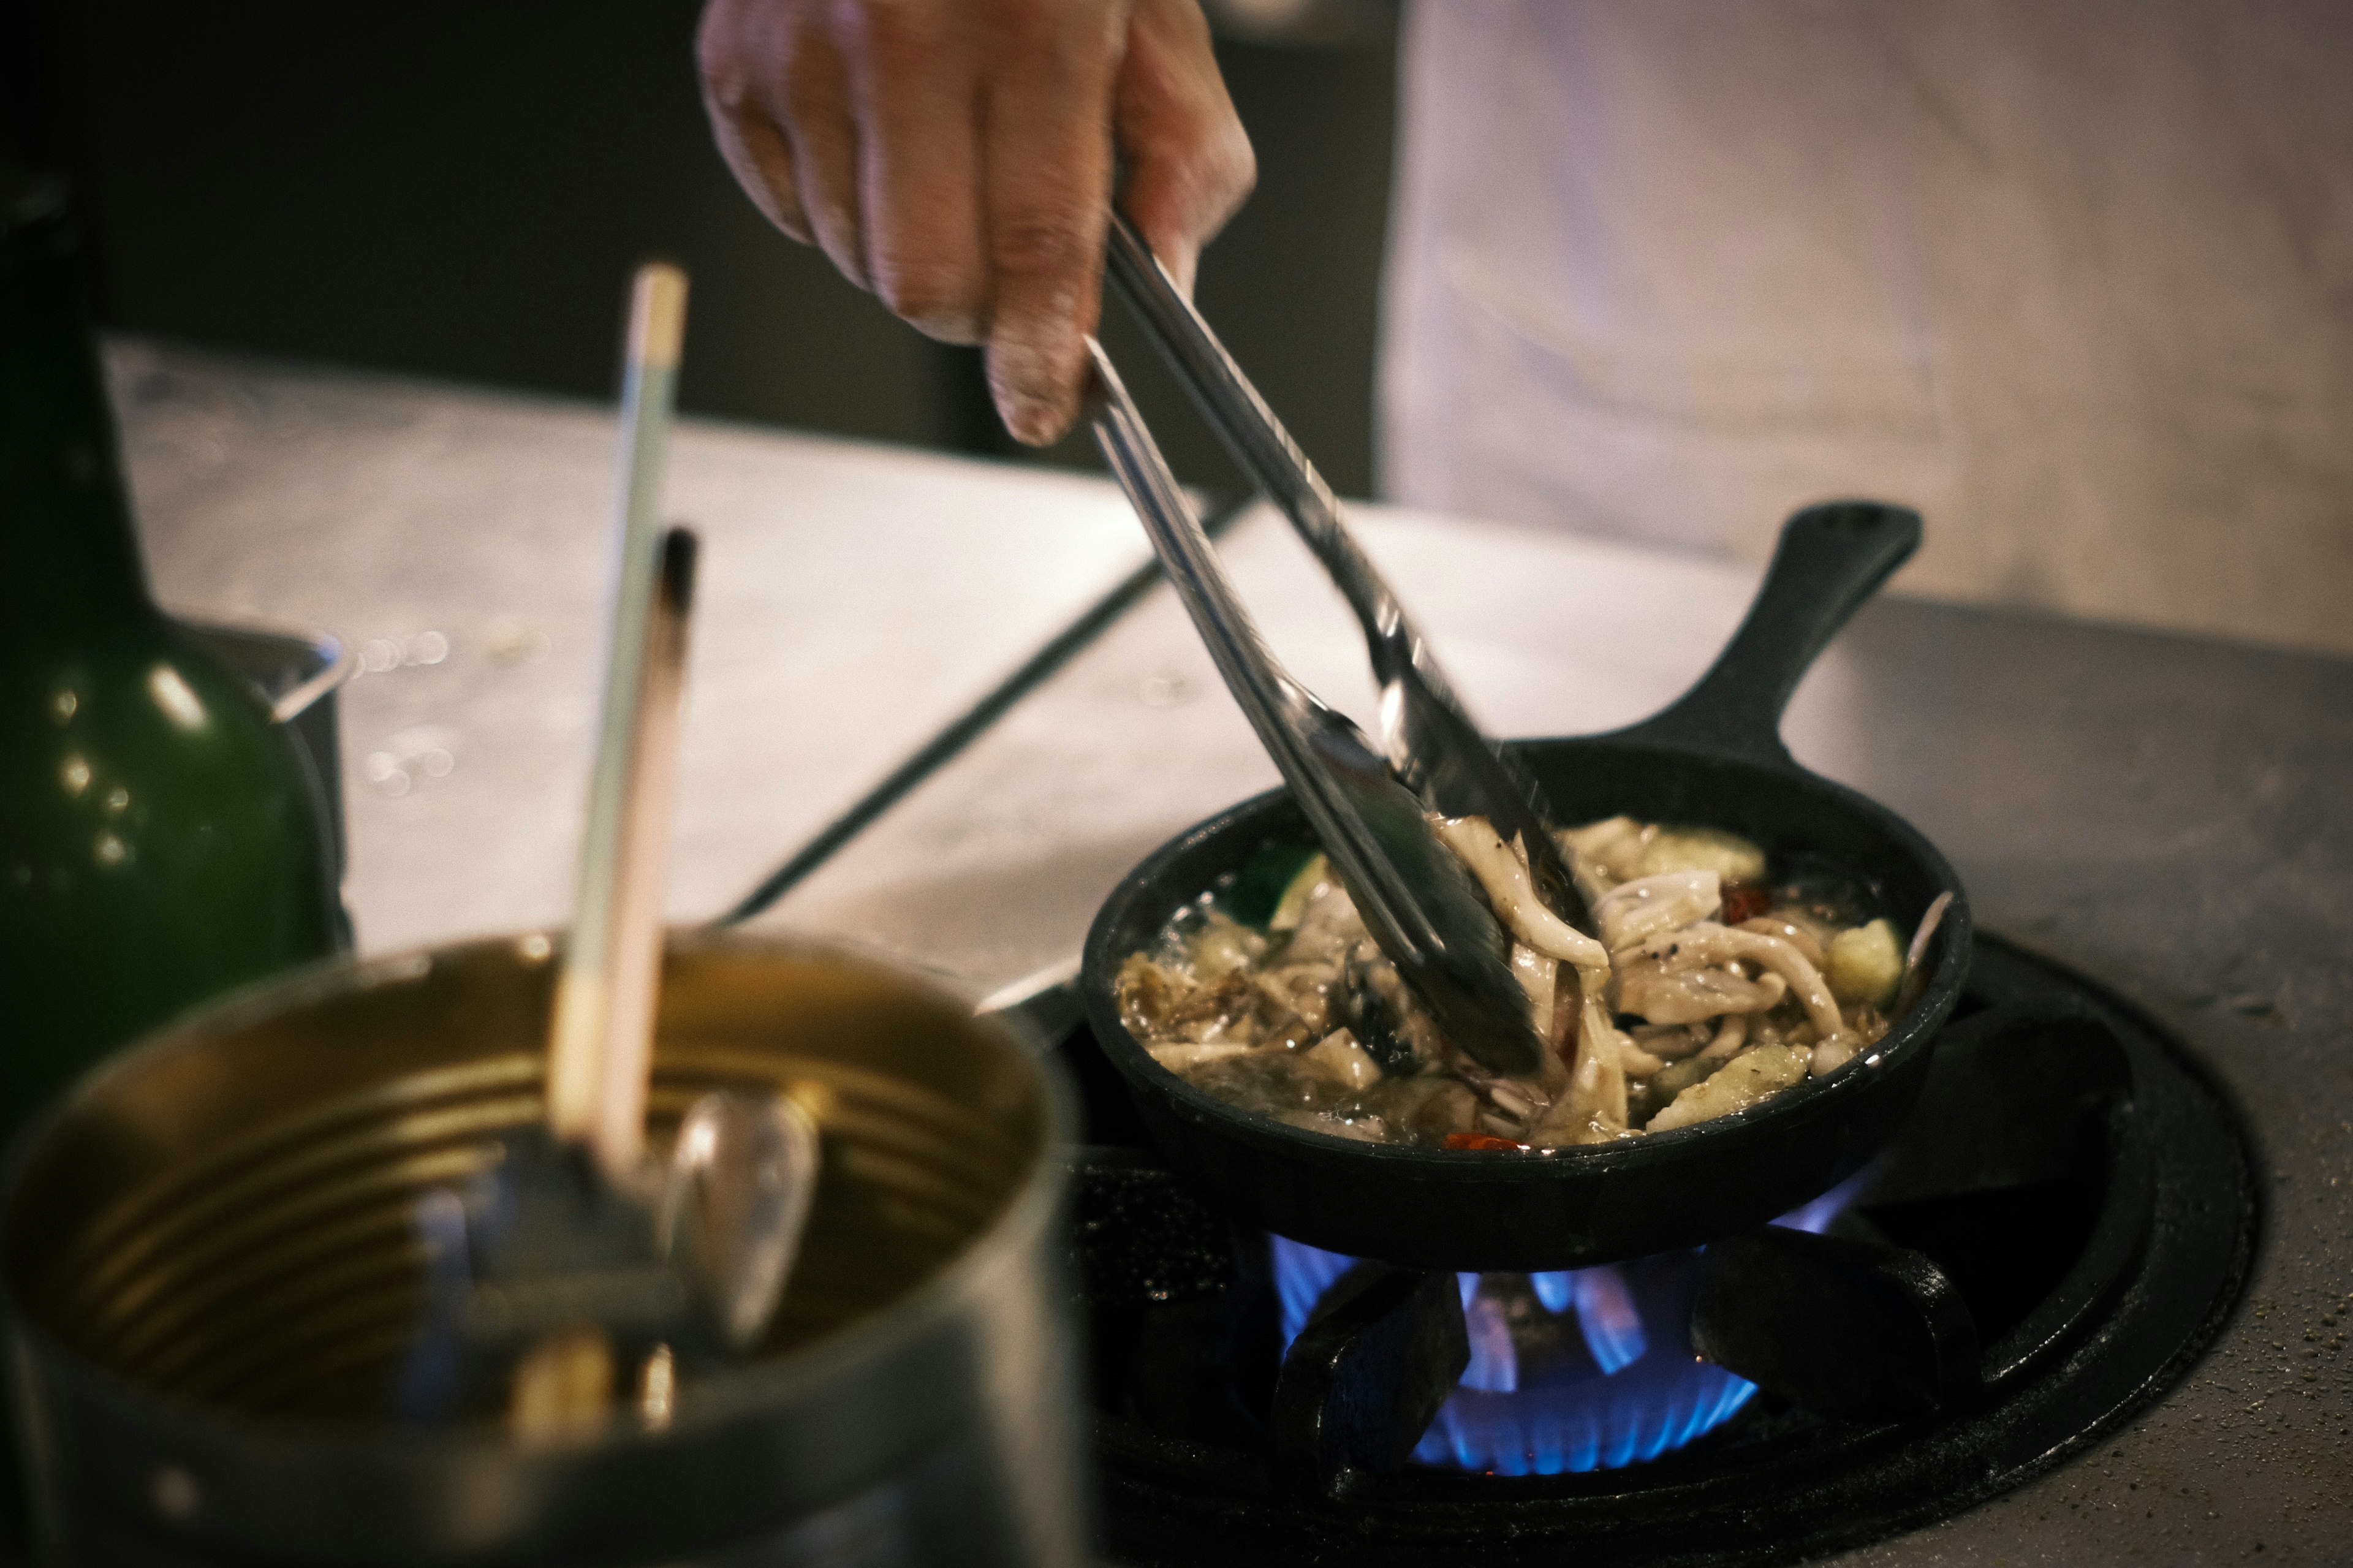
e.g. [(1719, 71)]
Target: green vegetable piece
[(1265, 880), (1866, 963), (1757, 1073), (1676, 1076), (1292, 906)]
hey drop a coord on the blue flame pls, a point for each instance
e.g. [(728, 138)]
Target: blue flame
[(1608, 1318), (1493, 1366), (1625, 1389)]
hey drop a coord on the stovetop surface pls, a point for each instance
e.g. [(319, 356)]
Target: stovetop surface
[(2070, 1173)]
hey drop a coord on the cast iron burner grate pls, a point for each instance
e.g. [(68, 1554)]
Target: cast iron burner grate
[(2058, 1233)]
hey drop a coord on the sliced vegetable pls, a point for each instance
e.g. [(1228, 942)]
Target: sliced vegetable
[(1263, 880), (1746, 901), (1867, 964), (1341, 1059), (1750, 1077), (1676, 1076), (1480, 1140), (1292, 904), (1728, 855)]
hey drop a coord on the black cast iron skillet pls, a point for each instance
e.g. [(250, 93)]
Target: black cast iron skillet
[(1714, 757)]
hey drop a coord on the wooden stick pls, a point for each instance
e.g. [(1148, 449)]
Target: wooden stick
[(600, 1037), (564, 1386), (611, 963), (618, 1135)]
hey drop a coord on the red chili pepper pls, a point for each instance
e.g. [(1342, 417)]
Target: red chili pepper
[(1480, 1140), (1746, 901)]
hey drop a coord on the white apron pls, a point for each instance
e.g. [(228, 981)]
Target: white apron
[(2074, 276)]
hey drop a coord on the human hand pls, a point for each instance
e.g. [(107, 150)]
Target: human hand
[(955, 157)]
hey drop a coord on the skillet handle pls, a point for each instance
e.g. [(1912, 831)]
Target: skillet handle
[(1831, 559)]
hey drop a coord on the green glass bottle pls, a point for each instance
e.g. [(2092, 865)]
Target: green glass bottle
[(161, 840)]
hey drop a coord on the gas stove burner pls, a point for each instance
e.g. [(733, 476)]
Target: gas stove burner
[(1578, 1369), (2059, 1231), (1582, 1370)]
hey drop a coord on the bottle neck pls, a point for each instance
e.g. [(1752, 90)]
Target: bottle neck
[(68, 550)]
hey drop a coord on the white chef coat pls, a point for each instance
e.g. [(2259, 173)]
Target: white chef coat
[(2074, 276)]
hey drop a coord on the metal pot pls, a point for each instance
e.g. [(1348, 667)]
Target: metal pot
[(211, 1275)]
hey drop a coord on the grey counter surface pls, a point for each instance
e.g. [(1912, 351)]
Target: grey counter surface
[(852, 600), (2170, 815)]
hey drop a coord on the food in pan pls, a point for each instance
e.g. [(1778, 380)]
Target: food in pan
[(1715, 984)]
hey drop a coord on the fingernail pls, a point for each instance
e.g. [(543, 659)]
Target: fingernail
[(1021, 373), (1034, 421), (949, 327)]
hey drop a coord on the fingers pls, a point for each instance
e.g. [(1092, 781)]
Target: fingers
[(729, 54), (1046, 185), (956, 157), (914, 81), (812, 85), (1189, 162), (774, 87)]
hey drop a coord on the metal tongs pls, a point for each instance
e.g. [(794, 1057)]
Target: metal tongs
[(1431, 739), (1414, 897)]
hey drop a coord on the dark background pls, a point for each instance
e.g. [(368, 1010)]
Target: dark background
[(459, 188)]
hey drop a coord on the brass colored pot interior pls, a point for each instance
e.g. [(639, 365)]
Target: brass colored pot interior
[(224, 1219)]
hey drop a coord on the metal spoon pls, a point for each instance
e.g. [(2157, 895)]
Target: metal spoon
[(1414, 896), (1429, 738), (740, 1177)]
